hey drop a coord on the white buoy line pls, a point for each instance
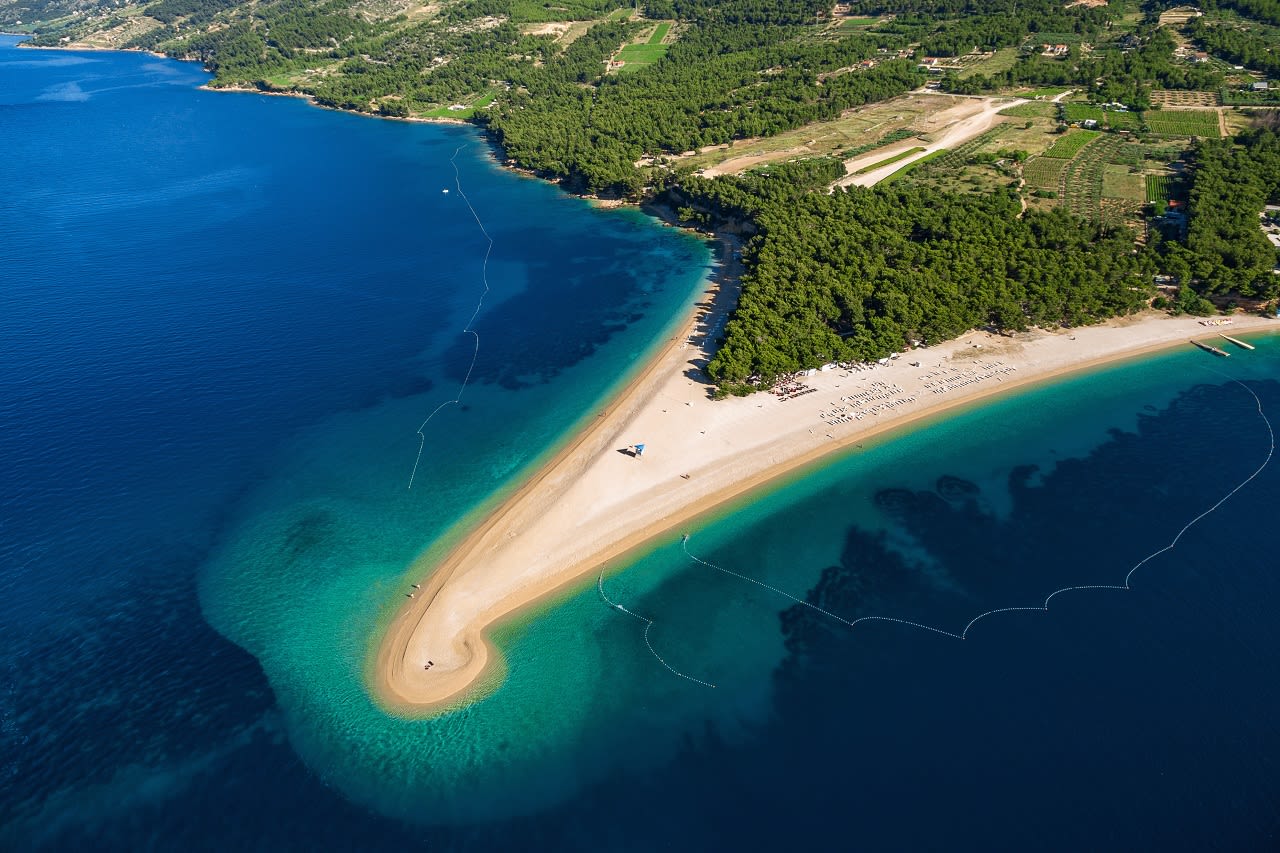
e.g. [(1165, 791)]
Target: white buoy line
[(964, 633), (469, 328)]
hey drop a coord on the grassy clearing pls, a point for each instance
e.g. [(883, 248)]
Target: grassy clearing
[(1048, 92), (637, 57), (1121, 182), (858, 23), (1036, 109), (1043, 172), (1033, 140), (1183, 122), (907, 168), (1058, 38), (1000, 61), (660, 33), (1069, 145), (283, 80), (901, 155), (481, 101)]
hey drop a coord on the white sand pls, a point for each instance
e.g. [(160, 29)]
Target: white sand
[(591, 503)]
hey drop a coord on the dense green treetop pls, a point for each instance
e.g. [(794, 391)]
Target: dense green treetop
[(844, 275), (858, 274), (1225, 251)]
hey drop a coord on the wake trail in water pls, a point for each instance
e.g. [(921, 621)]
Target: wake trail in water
[(468, 329), (1043, 607)]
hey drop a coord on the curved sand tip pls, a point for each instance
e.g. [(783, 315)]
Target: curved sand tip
[(593, 502), (562, 522)]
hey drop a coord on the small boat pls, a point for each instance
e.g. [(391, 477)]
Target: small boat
[(1236, 341), (1212, 349)]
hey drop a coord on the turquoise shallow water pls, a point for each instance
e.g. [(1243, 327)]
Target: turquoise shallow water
[(215, 359)]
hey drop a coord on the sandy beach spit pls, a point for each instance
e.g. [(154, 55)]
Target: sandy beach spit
[(594, 501)]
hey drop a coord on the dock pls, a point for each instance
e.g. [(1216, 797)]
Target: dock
[(1236, 341), (1211, 348)]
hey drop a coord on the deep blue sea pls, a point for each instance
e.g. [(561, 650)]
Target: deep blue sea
[(223, 319)]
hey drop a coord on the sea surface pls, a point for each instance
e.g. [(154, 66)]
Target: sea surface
[(224, 320)]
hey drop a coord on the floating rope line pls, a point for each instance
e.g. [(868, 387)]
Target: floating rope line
[(685, 545), (1043, 607), (648, 624), (468, 328)]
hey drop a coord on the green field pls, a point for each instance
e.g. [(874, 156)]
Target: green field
[(639, 56), (1123, 183), (1058, 38), (1000, 61), (660, 33), (1069, 145), (1158, 187), (1183, 122), (901, 155), (907, 168), (1114, 119), (1120, 120), (1082, 112), (1043, 172), (1046, 92), (858, 23), (481, 101), (1037, 109), (1084, 180)]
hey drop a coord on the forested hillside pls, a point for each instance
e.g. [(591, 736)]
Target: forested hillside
[(614, 98), (859, 274), (1225, 251)]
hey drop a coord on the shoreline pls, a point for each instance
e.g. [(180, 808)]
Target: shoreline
[(466, 665), (719, 290), (499, 155), (591, 504), (311, 99)]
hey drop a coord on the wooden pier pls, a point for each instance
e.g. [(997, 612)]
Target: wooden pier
[(1236, 341), (1211, 348)]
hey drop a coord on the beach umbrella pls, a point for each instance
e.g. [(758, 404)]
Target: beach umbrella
[(639, 450)]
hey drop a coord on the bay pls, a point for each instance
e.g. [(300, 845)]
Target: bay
[(224, 318)]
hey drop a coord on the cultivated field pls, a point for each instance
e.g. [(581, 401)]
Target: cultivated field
[(1158, 187), (1183, 122), (1035, 109), (1070, 144), (1174, 99), (1043, 172), (638, 56)]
